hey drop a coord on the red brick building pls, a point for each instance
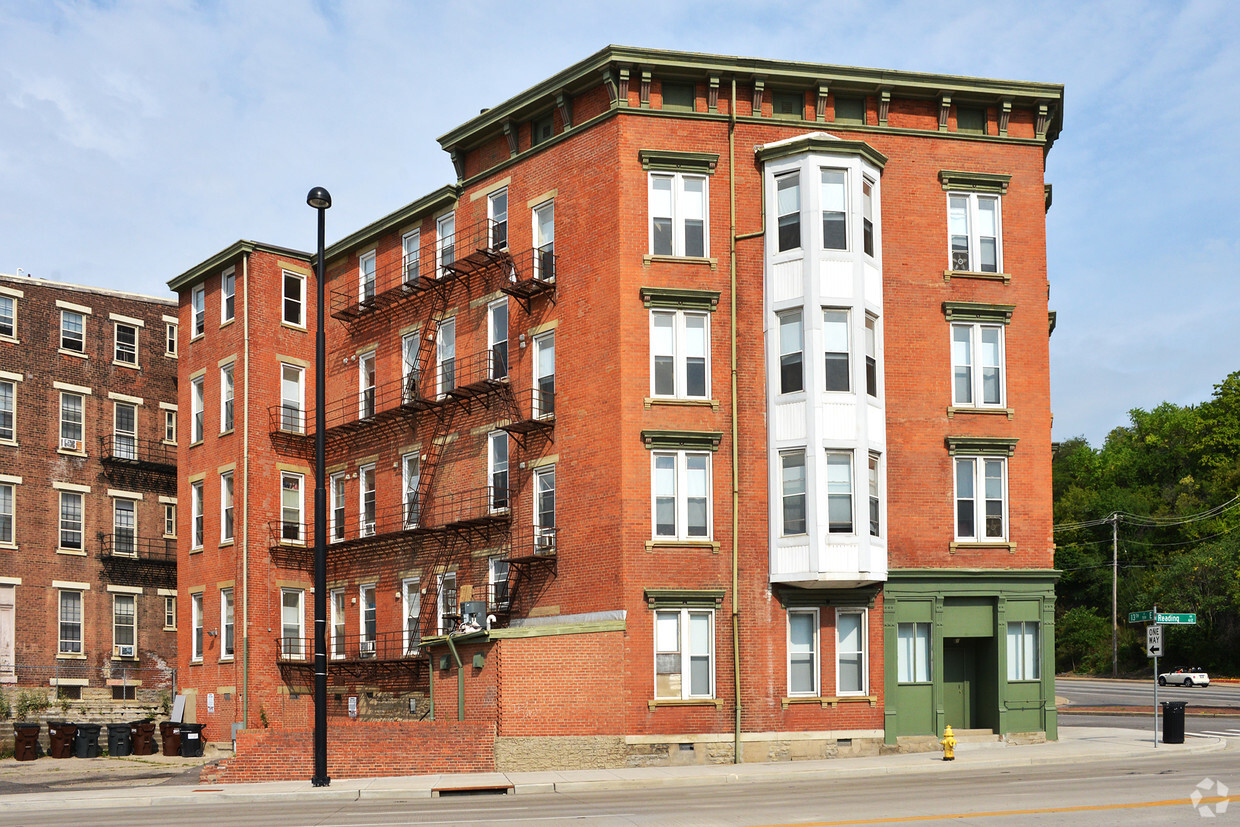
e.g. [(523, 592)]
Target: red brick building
[(87, 490), (709, 408)]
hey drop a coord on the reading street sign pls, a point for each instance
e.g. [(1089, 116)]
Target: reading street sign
[(1163, 617)]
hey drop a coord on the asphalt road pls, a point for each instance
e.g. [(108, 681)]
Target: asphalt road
[(1090, 692)]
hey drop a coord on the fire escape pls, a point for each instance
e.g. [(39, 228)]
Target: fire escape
[(137, 465)]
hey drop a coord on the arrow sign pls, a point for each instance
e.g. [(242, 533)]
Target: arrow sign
[(1153, 640), (1138, 617), (1184, 619)]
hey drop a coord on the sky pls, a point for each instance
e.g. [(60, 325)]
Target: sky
[(138, 138)]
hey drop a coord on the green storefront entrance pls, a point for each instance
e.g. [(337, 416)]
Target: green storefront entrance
[(969, 648)]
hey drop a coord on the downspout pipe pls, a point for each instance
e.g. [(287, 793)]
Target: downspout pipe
[(736, 633), (245, 496), (460, 680)]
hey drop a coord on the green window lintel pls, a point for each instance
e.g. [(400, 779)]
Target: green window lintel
[(978, 312), (684, 598), (823, 143), (669, 160), (682, 440), (974, 181), (794, 598), (987, 446), (679, 298)]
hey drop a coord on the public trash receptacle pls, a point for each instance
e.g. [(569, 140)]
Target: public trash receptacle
[(1173, 721), (60, 735), (26, 742), (170, 737), (191, 740), (118, 740), (86, 741), (142, 737)]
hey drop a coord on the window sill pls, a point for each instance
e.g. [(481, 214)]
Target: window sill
[(953, 410), (69, 656), (170, 355), (8, 546), (713, 545), (170, 628), (996, 545), (195, 661), (195, 444), (227, 543), (197, 336), (196, 550), (12, 340), (70, 453), (171, 442), (650, 401), (9, 442), (227, 322), (117, 659), (298, 327), (229, 431), (76, 354), (228, 659), (129, 365), (829, 701), (948, 275), (72, 552), (715, 702), (648, 259)]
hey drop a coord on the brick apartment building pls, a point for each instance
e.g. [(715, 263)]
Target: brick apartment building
[(708, 409), (87, 490)]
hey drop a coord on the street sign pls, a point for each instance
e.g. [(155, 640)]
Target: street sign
[(1153, 640), (1138, 617), (1184, 619)]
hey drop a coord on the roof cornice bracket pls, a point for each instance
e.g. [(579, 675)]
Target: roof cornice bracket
[(820, 106), (884, 105), (945, 105), (564, 102)]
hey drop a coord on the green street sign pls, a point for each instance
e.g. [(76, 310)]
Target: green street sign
[(1184, 619), (1138, 617)]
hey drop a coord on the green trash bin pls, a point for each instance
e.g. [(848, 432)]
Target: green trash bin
[(86, 741), (118, 740)]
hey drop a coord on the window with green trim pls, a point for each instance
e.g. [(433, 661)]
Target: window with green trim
[(684, 656), (849, 110), (678, 95), (679, 354), (678, 215), (973, 221)]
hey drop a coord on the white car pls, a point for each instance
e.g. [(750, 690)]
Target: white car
[(1184, 676)]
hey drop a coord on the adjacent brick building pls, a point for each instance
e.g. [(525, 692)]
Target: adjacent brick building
[(708, 409), (87, 490)]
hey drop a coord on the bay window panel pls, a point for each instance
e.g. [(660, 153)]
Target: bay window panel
[(867, 216), (794, 497), (871, 355), (839, 493), (875, 504), (834, 210), (791, 338), (788, 211), (836, 346)]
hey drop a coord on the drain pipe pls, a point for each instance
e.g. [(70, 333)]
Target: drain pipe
[(245, 504), (460, 680), (736, 492)]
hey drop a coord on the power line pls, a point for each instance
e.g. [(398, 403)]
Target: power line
[(1152, 522)]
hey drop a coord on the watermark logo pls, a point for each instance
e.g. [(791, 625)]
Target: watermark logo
[(1216, 791)]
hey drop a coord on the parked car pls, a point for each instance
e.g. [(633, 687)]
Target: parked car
[(1184, 676)]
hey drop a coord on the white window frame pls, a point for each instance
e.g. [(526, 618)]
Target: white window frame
[(869, 242), (170, 612), (366, 501), (126, 356), (1024, 645), (170, 520), (789, 494), (287, 477), (497, 215), (862, 653), (292, 411), (545, 540), (296, 300), (117, 626), (70, 425), (410, 477), (679, 466), (337, 631), (196, 511), (228, 295), (8, 318), (791, 352), (874, 485), (69, 527), (830, 321), (68, 645), (823, 189), (411, 604), (367, 627), (410, 248), (814, 654), (675, 352), (227, 527), (971, 236), (544, 241), (680, 203), (197, 407), (198, 309), (410, 349), (841, 459), (337, 507), (497, 576), (227, 398), (873, 376), (914, 652), (977, 470), (171, 331), (445, 357), (297, 650), (445, 243), (442, 590), (228, 627), (497, 339), (8, 411), (544, 379), (366, 384), (8, 515), (683, 649), (124, 506), (196, 623), (170, 427), (788, 214), (969, 356), (367, 277), (497, 470)]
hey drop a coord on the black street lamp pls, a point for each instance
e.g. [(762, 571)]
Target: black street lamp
[(321, 200)]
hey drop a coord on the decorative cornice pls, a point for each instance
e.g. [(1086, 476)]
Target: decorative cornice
[(820, 105), (643, 94), (684, 598), (511, 135), (682, 440), (1053, 317), (821, 142), (670, 160), (985, 446), (680, 298), (1047, 192), (223, 257), (945, 105), (978, 312), (424, 206), (564, 103), (712, 93), (759, 89), (1005, 114), (884, 105), (974, 181)]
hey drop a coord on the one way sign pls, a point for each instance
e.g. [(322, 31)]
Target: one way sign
[(1153, 640)]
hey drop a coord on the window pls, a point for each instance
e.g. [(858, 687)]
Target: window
[(497, 334), (413, 614), (292, 620), (1022, 651), (71, 520), (677, 95), (71, 422), (226, 398), (226, 507), (7, 495), (788, 210), (70, 623), (445, 240), (125, 431), (544, 241), (72, 331), (336, 509), (446, 357), (541, 130), (913, 652), (336, 646), (834, 204), (544, 375), (411, 475), (684, 654), (291, 508), (497, 215), (788, 105), (803, 668), (497, 468), (198, 304), (850, 110), (839, 492), (410, 344), (850, 652), (197, 407), (170, 611), (366, 482), (228, 295), (977, 365), (792, 472), (195, 623), (544, 510), (409, 244), (292, 399), (678, 215), (195, 507), (8, 411), (681, 495), (124, 528), (875, 493), (294, 299), (366, 595), (973, 226), (126, 344), (170, 427), (835, 337), (366, 385), (445, 602), (971, 119), (124, 626), (791, 356), (227, 648), (170, 338), (867, 216), (871, 355), (679, 354), (366, 277), (8, 317), (170, 519), (497, 579), (988, 477)]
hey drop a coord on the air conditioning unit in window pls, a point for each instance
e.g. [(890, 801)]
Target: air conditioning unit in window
[(368, 529), (367, 648), (124, 651), (544, 544), (67, 444)]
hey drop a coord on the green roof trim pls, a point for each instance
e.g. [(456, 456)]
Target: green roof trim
[(1053, 317), (791, 597), (680, 298), (978, 312), (225, 256), (684, 598), (986, 446), (445, 196), (1048, 190), (682, 440), (821, 142), (932, 583), (668, 160), (974, 181)]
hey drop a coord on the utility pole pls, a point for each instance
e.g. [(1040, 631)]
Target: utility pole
[(1115, 595)]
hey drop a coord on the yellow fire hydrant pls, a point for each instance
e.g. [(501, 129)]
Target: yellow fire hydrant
[(949, 744)]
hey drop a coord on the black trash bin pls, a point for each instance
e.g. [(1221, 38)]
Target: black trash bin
[(118, 740), (26, 742), (60, 737), (86, 741), (1173, 721), (191, 740), (170, 737), (142, 737)]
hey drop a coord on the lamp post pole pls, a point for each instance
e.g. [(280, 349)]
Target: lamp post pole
[(320, 200)]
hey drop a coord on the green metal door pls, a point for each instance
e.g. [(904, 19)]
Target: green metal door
[(959, 682)]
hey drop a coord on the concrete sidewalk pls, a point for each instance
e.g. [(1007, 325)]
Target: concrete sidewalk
[(1076, 745)]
